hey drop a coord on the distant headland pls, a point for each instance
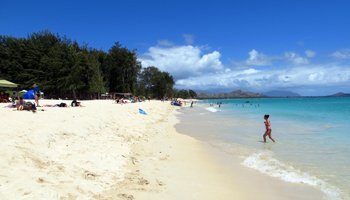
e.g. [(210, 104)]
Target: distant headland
[(248, 94)]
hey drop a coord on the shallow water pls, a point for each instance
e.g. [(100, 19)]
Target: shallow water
[(312, 134)]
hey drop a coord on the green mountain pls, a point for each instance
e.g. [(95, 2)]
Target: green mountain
[(233, 94)]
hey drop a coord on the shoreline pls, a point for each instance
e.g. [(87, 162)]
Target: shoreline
[(250, 181), (176, 168), (109, 151), (297, 157), (172, 165)]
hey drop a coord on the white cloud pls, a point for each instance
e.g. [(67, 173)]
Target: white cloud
[(295, 58), (310, 53), (257, 59), (227, 70), (189, 39), (263, 80), (182, 61), (192, 68), (249, 71), (341, 54)]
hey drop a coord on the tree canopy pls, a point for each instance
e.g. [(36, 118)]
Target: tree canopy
[(185, 94), (156, 84), (63, 68)]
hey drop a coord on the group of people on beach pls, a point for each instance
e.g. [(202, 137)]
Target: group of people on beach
[(4, 97), (21, 104), (133, 99), (29, 106), (177, 102), (217, 103)]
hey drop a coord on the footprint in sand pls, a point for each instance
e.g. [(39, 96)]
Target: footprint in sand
[(126, 196), (166, 157), (143, 181), (160, 183), (89, 175), (40, 180), (133, 160)]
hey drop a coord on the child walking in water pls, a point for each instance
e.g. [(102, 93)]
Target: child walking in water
[(268, 128)]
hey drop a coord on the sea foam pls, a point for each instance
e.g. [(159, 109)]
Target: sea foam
[(266, 164), (211, 109)]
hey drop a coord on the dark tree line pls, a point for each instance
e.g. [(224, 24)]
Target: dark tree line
[(63, 68), (185, 94)]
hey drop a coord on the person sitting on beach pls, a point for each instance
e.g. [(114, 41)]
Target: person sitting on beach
[(75, 103), (20, 103), (117, 100), (4, 97), (14, 97), (29, 106), (121, 101), (268, 128)]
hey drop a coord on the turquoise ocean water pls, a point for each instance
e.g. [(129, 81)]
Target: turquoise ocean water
[(312, 134)]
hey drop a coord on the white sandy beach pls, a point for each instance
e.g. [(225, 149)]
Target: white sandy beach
[(110, 151)]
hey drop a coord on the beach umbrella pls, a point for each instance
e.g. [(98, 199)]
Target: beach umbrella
[(5, 83)]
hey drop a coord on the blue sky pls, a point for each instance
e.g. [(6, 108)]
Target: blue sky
[(301, 46)]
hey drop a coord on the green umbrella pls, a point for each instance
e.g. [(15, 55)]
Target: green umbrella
[(5, 83)]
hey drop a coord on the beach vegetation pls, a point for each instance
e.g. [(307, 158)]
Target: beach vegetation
[(185, 94), (63, 68), (155, 83)]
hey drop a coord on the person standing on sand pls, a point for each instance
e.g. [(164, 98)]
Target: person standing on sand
[(37, 97), (268, 128)]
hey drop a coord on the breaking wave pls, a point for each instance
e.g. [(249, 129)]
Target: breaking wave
[(266, 164)]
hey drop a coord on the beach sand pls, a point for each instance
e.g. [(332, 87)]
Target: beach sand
[(110, 151)]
